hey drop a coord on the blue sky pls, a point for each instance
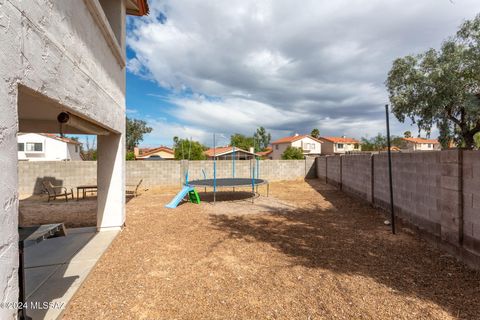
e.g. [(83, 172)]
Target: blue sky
[(195, 68)]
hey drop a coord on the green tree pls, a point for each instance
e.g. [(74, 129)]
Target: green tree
[(130, 155), (189, 150), (441, 87), (379, 143), (293, 153), (407, 134), (262, 139), (315, 133), (135, 129), (477, 141), (241, 141)]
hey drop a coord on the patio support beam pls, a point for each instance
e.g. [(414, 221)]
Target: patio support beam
[(111, 182)]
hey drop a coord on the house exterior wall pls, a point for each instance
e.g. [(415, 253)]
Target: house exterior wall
[(329, 148), (278, 150), (305, 143), (54, 48), (53, 150), (411, 146)]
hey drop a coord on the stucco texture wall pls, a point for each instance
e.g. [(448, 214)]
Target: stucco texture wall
[(53, 49)]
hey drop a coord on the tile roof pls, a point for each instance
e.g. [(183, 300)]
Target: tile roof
[(218, 151), (141, 10), (266, 152), (144, 152), (340, 139), (63, 139), (294, 138), (421, 140)]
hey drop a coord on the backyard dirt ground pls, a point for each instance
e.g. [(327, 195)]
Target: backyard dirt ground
[(306, 252), (35, 210)]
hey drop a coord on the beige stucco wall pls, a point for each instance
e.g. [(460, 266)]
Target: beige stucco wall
[(277, 153), (55, 49)]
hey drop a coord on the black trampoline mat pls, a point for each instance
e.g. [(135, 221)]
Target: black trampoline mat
[(227, 182)]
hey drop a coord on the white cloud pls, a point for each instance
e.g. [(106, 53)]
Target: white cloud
[(286, 65)]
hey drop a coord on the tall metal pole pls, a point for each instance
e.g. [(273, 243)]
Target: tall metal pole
[(389, 151)]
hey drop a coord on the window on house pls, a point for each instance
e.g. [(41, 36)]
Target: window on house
[(34, 146), (276, 147), (21, 147), (429, 146), (355, 146), (340, 145), (76, 148)]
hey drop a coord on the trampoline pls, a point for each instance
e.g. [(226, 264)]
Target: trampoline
[(230, 183), (216, 183)]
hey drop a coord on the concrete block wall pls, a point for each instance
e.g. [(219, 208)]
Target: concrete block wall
[(334, 170), (153, 173), (64, 173), (439, 192), (321, 168), (416, 178), (357, 175), (471, 200), (156, 173)]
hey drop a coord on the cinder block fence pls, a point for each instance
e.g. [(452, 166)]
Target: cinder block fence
[(439, 192), (157, 173)]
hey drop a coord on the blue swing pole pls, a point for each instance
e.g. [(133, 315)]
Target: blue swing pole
[(214, 170), (233, 161)]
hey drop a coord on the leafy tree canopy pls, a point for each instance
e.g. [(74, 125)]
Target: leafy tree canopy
[(407, 134), (262, 139), (135, 130), (241, 141), (315, 133), (189, 150), (441, 87), (379, 143), (293, 153)]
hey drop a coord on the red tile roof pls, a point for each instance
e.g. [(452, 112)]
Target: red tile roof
[(143, 8), (148, 151), (339, 139), (421, 140), (265, 153), (54, 136), (218, 151), (294, 138)]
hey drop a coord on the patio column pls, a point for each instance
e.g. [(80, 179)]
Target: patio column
[(111, 181)]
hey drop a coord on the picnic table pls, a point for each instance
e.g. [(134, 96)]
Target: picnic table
[(85, 189), (29, 236)]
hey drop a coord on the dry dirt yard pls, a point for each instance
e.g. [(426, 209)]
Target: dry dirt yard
[(306, 252), (35, 210)]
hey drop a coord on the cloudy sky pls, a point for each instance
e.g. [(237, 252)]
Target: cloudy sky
[(198, 67)]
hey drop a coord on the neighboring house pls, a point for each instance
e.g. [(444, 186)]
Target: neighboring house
[(62, 58), (267, 154), (339, 145), (311, 147), (160, 153), (47, 147), (228, 152), (421, 144)]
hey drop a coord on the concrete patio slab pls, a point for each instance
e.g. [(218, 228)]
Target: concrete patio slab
[(57, 267)]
